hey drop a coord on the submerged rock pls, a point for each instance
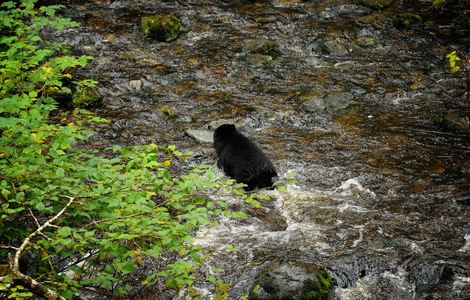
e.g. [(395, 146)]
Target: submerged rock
[(454, 121), (163, 28), (258, 60), (262, 46), (285, 3), (375, 4), (335, 46), (365, 41), (334, 101)]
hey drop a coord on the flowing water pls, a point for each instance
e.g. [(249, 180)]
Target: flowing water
[(348, 103)]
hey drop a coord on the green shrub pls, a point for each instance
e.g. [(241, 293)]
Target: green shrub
[(74, 218)]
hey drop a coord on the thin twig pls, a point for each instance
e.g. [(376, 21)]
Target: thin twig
[(32, 215), (114, 219)]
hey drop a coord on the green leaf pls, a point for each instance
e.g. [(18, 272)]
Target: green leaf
[(64, 231), (50, 10), (8, 4)]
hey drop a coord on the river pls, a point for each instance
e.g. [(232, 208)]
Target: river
[(347, 102)]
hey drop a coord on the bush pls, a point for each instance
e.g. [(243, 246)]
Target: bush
[(71, 218)]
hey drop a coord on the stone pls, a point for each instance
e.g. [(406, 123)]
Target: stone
[(337, 47), (313, 100), (365, 41), (338, 100), (285, 3), (164, 28), (262, 46), (202, 136), (258, 60), (135, 85), (216, 123), (375, 4)]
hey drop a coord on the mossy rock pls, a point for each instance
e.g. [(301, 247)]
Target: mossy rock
[(375, 4), (407, 20), (365, 41), (164, 28), (320, 289), (167, 110), (262, 46), (293, 280)]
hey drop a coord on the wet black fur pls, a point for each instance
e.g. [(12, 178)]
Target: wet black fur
[(242, 160)]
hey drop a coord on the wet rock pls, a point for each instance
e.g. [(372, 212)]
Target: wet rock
[(333, 102), (163, 28), (135, 84), (337, 46), (293, 280), (262, 46), (216, 123), (184, 119), (345, 10), (338, 100), (258, 60), (454, 121), (365, 41), (202, 136), (407, 20), (285, 3), (383, 286), (313, 100), (461, 288), (375, 20), (352, 187), (375, 4), (424, 276)]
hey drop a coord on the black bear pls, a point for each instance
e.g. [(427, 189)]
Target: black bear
[(242, 160)]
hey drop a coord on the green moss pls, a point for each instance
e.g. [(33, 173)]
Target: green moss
[(406, 20), (320, 289), (168, 110), (271, 49), (162, 28), (222, 291)]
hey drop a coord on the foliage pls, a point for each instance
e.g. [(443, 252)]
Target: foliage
[(109, 213), (458, 65)]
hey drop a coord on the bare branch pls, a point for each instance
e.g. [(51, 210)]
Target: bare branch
[(27, 240), (36, 287), (8, 247), (27, 281)]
